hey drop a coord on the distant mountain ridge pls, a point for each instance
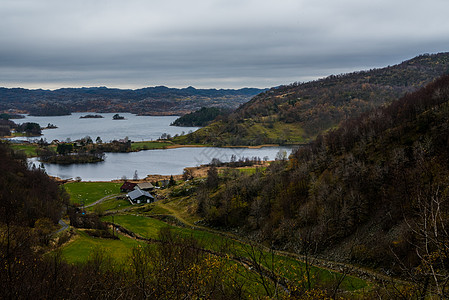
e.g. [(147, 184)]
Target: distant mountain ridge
[(150, 100), (298, 112)]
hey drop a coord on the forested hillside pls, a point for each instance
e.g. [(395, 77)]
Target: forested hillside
[(372, 192), (201, 117), (26, 195), (30, 206), (158, 100), (298, 112)]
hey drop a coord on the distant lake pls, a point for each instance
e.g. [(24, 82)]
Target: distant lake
[(162, 162), (136, 128)]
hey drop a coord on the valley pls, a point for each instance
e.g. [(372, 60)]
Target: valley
[(349, 201)]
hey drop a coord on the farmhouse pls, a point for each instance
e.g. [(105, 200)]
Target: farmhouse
[(138, 196), (127, 186), (145, 186)]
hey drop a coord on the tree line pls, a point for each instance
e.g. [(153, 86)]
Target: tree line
[(374, 192), (201, 117)]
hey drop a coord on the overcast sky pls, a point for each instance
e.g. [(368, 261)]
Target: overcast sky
[(209, 43)]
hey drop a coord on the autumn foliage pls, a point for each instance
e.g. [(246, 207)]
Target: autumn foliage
[(374, 191), (298, 112)]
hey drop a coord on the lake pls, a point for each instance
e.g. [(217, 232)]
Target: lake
[(136, 128), (162, 162)]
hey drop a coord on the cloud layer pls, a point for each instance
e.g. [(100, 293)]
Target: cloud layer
[(209, 43)]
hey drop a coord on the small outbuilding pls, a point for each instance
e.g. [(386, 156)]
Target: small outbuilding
[(138, 196), (164, 182), (145, 186), (128, 187)]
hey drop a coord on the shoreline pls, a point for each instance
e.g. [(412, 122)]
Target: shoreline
[(165, 147), (197, 172), (175, 146), (248, 147)]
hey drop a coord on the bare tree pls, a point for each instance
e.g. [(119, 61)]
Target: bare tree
[(432, 247)]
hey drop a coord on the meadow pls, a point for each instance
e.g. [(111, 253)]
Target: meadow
[(149, 145), (287, 267), (79, 250), (147, 221), (89, 192)]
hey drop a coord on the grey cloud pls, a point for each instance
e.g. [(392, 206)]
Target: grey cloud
[(209, 43)]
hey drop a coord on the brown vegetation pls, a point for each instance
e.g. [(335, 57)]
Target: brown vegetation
[(374, 192), (317, 106)]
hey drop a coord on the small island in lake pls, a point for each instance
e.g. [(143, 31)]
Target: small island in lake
[(118, 117), (91, 117), (50, 126)]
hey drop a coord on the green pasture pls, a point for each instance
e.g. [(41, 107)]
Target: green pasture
[(90, 192), (110, 204), (288, 267), (149, 145), (149, 228), (28, 149), (79, 250), (251, 171), (143, 226), (292, 131), (83, 246), (295, 271)]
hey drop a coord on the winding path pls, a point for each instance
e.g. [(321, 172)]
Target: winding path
[(101, 200), (64, 225)]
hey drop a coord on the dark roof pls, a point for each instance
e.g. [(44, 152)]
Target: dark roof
[(139, 193), (128, 186)]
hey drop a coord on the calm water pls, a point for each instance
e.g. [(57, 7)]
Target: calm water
[(163, 162), (136, 128)]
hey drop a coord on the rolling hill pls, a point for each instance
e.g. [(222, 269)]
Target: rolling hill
[(298, 112), (158, 100)]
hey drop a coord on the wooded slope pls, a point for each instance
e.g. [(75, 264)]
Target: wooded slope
[(298, 112), (374, 192)]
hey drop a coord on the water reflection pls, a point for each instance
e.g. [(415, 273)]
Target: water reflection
[(163, 162)]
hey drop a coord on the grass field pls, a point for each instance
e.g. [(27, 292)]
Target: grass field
[(289, 133), (292, 269), (28, 149), (90, 192), (180, 208), (151, 209), (251, 171), (149, 228), (143, 226), (79, 250), (288, 267), (110, 204), (137, 146)]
